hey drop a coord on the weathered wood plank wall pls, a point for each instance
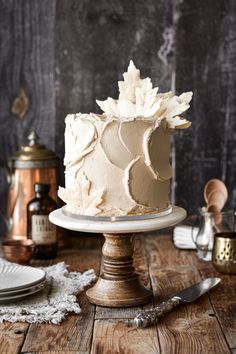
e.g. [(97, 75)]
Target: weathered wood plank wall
[(26, 65), (65, 54), (205, 61), (94, 41)]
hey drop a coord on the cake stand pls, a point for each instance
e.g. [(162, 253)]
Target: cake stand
[(118, 285)]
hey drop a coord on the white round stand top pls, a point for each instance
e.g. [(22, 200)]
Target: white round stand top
[(93, 224)]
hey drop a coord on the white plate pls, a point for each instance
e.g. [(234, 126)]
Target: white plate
[(21, 295), (21, 290), (14, 276)]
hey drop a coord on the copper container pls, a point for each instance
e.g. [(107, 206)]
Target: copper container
[(19, 251), (224, 252), (32, 164)]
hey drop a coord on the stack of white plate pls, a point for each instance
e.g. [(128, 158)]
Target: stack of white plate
[(17, 282)]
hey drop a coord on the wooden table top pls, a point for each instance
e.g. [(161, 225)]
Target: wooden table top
[(206, 326)]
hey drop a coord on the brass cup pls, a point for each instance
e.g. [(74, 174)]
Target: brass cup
[(224, 252), (19, 251)]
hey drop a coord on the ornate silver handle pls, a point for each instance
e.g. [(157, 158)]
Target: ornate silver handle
[(149, 317)]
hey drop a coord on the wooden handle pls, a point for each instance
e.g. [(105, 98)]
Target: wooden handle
[(216, 200), (215, 194), (150, 317)]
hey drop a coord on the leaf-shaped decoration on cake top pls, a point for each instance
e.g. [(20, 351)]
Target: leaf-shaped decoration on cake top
[(172, 106), (82, 199), (138, 99)]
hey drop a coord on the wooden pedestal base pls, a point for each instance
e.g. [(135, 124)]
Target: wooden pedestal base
[(118, 285)]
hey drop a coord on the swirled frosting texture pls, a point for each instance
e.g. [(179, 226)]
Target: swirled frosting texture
[(118, 163)]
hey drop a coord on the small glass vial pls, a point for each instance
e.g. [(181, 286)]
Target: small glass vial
[(39, 228)]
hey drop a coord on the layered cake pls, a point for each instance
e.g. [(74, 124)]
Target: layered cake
[(117, 163)]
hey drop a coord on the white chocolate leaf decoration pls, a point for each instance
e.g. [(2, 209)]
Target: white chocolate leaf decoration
[(172, 106), (112, 146), (109, 106), (137, 99), (131, 81), (178, 123), (127, 109), (81, 199), (147, 103)]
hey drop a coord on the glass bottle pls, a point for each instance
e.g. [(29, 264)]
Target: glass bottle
[(210, 224), (39, 228)]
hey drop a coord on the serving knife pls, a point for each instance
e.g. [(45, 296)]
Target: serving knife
[(149, 317)]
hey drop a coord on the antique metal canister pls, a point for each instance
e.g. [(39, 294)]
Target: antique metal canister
[(32, 164), (224, 252)]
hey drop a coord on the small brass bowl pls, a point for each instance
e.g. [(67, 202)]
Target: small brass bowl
[(19, 251), (224, 252)]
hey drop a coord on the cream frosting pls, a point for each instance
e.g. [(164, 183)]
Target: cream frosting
[(143, 188), (111, 166), (133, 142), (118, 163), (112, 145), (81, 139), (158, 140)]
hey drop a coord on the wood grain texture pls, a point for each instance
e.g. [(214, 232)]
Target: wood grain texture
[(206, 326), (223, 300), (141, 267), (111, 336), (65, 54), (75, 333), (205, 62), (26, 62), (161, 261), (187, 329), (12, 337), (58, 352), (94, 41), (118, 285), (161, 253)]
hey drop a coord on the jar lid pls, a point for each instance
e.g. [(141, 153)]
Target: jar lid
[(34, 154), (41, 187)]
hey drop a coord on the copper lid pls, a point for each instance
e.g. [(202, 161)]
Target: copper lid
[(34, 155)]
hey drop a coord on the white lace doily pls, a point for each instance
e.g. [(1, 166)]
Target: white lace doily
[(54, 302)]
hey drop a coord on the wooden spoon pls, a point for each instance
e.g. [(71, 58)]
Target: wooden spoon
[(217, 200), (214, 185), (215, 195)]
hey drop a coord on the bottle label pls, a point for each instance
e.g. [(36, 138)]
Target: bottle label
[(43, 231)]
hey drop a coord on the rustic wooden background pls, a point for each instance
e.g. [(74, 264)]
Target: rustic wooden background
[(58, 56)]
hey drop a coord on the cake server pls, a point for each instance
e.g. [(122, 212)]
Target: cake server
[(149, 317)]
